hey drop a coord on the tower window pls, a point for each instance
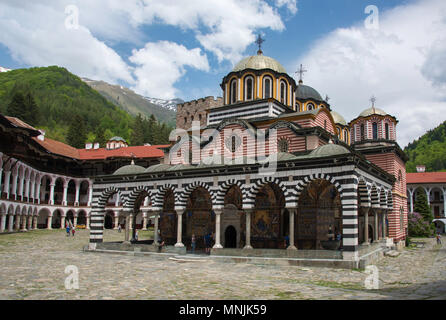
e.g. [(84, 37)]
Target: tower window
[(362, 131), (375, 130), (283, 92), (267, 87), (325, 124), (249, 88), (283, 145), (310, 106), (233, 91), (345, 136), (387, 131)]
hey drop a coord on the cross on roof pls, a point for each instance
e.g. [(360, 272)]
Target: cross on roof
[(301, 72), (327, 97), (259, 42), (373, 100)]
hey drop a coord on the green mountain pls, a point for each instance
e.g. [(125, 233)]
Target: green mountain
[(428, 150), (62, 99), (132, 102)]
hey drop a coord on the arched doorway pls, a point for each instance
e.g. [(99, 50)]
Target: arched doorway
[(266, 221), (82, 218), (70, 218), (56, 220), (108, 221), (319, 215), (198, 219), (230, 237), (232, 216), (168, 219), (371, 234)]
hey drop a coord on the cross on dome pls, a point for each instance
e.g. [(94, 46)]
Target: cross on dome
[(373, 100), (301, 72), (259, 42)]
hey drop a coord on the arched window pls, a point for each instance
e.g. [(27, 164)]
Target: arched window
[(346, 135), (283, 145), (233, 91), (375, 130), (267, 87), (249, 88), (362, 131), (283, 92), (199, 117), (325, 124), (387, 131), (310, 106)]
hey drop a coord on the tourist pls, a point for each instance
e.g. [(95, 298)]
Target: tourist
[(193, 243), (438, 238), (72, 231), (136, 235), (119, 228), (68, 230), (160, 242), (287, 241)]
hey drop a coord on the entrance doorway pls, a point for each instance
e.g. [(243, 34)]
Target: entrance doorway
[(230, 237)]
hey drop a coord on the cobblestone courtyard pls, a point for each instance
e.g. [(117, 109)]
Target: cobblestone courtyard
[(33, 265)]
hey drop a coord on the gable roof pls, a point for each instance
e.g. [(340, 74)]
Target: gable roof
[(426, 177)]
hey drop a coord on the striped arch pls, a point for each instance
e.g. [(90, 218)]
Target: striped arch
[(102, 201), (158, 197), (98, 215), (363, 193), (307, 180), (389, 200), (223, 189), (374, 195), (255, 188), (130, 202), (190, 188), (383, 199)]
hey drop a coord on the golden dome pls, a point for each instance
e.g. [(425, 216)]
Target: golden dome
[(259, 62), (338, 118)]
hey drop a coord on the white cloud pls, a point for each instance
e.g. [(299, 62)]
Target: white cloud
[(36, 35), (161, 64), (402, 63), (291, 5)]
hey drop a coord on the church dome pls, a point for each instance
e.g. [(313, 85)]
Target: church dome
[(327, 150), (259, 62), (371, 111), (304, 92), (129, 169), (338, 118)]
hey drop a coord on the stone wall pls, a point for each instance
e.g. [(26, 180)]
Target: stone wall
[(196, 110)]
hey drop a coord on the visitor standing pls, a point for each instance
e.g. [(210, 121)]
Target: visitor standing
[(68, 230), (136, 235), (119, 228), (72, 231), (160, 242), (287, 241), (193, 243), (438, 238)]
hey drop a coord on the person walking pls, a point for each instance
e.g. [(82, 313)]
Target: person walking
[(160, 242), (193, 243), (438, 238), (72, 231), (68, 230), (119, 227)]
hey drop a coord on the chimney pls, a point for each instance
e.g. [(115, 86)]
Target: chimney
[(88, 146), (42, 135), (96, 145), (421, 168)]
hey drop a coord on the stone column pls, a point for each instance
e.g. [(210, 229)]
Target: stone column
[(76, 197), (87, 216), (65, 192), (30, 222), (21, 184), (52, 185), (62, 222), (248, 229), (48, 222), (116, 216), (1, 173), (292, 212), (131, 221), (14, 185), (118, 198), (34, 222), (11, 223), (155, 236), (383, 218), (17, 223), (3, 221), (134, 226), (375, 214), (144, 220), (27, 189), (127, 229), (179, 229), (6, 186), (217, 244), (38, 195), (32, 193), (75, 221), (428, 191), (411, 199), (366, 226), (23, 228), (90, 195)]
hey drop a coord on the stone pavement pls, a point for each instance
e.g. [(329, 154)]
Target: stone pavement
[(32, 266)]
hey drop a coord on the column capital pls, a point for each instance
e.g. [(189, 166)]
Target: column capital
[(179, 212), (218, 211)]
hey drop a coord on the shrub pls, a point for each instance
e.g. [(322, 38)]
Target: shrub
[(418, 227)]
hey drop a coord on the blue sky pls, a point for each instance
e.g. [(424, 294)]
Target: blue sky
[(174, 48)]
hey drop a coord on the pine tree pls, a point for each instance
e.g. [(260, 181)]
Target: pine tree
[(100, 136), (137, 137), (31, 115), (77, 134), (422, 207), (17, 106)]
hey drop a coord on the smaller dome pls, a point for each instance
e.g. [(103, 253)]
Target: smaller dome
[(370, 111), (338, 118), (306, 92), (117, 139), (158, 167), (129, 169), (327, 150)]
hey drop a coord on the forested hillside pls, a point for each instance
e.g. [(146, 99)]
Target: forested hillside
[(428, 150), (67, 108)]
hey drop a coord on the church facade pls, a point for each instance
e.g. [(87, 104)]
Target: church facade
[(269, 167)]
